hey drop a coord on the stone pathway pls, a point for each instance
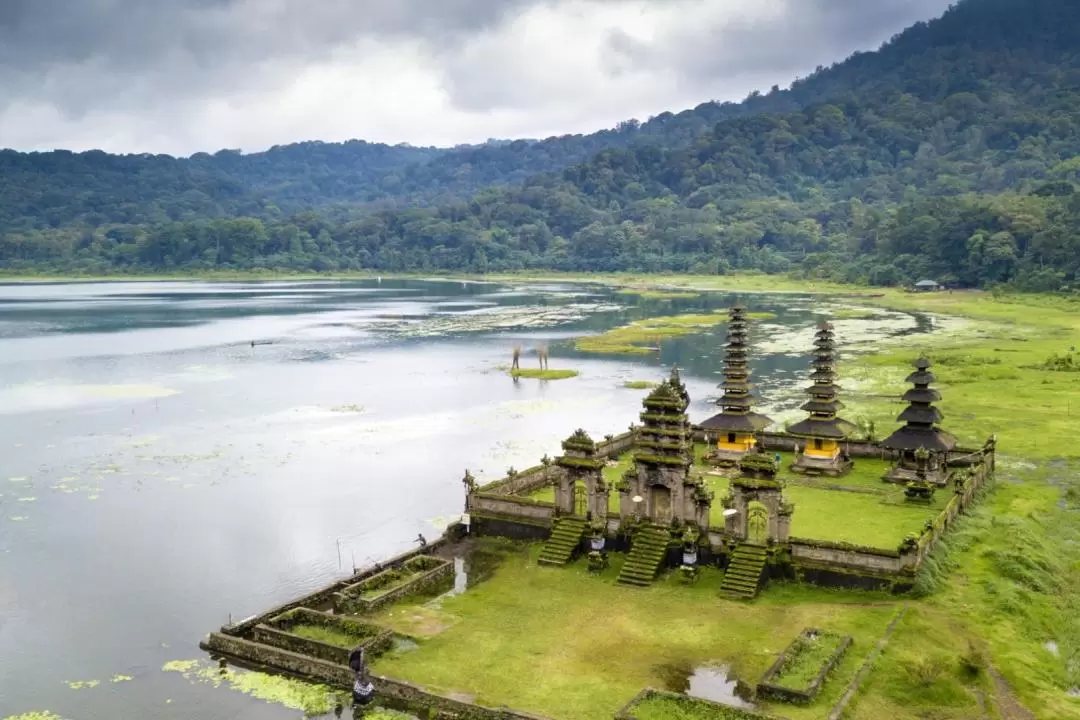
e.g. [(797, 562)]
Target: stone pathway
[(1008, 706), (849, 693)]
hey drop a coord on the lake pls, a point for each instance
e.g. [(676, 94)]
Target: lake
[(177, 454)]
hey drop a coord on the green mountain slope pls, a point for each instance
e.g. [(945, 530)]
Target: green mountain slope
[(949, 153)]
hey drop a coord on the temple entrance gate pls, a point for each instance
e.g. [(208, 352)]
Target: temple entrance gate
[(757, 523), (581, 500), (660, 504)]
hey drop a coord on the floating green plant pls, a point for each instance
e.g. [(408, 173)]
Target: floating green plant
[(309, 698), (35, 715), (660, 294), (639, 384), (538, 374), (853, 314), (643, 336), (82, 684)]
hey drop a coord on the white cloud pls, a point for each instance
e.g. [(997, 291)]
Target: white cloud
[(253, 73)]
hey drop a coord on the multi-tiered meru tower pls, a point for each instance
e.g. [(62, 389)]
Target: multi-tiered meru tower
[(660, 479), (823, 430), (921, 448), (736, 426)]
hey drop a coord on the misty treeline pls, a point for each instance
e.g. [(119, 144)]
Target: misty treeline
[(953, 153)]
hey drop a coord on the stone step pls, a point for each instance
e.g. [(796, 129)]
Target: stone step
[(564, 541)]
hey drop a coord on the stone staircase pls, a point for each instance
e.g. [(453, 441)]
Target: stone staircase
[(646, 554), (564, 542), (743, 576)]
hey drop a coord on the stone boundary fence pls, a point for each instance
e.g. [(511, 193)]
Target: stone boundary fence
[(538, 476), (391, 693)]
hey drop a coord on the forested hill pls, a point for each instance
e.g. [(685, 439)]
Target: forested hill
[(94, 188), (950, 153)]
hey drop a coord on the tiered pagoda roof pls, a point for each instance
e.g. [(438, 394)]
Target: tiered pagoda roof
[(679, 387), (736, 402), (921, 418), (664, 436), (824, 402)]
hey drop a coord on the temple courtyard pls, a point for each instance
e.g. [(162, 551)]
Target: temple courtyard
[(885, 518)]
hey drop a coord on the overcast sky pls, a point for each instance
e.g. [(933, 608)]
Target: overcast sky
[(180, 76)]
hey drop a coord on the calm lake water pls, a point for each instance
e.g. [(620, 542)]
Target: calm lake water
[(159, 474)]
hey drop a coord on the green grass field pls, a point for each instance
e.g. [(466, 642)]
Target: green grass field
[(587, 645)]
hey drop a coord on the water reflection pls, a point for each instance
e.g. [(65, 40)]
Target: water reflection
[(714, 682)]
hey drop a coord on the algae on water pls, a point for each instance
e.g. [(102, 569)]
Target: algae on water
[(309, 698)]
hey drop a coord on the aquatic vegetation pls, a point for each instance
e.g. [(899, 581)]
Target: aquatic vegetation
[(761, 315), (386, 714), (36, 715), (17, 518), (643, 336), (534, 373), (82, 684), (180, 666), (118, 678), (659, 294), (639, 384), (27, 499), (512, 317), (309, 698), (853, 314)]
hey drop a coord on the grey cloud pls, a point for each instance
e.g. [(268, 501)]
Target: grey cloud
[(82, 53), (154, 61), (809, 32)]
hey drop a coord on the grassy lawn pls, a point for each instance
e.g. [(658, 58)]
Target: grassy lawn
[(328, 635), (806, 661), (588, 645)]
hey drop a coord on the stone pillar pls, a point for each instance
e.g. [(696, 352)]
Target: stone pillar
[(598, 496)]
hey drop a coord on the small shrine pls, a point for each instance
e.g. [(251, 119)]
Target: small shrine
[(822, 431), (921, 448), (580, 489), (762, 515), (659, 487), (736, 426)]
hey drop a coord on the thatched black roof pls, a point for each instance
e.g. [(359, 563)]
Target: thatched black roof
[(832, 428), (912, 438), (921, 395), (921, 415), (737, 422)]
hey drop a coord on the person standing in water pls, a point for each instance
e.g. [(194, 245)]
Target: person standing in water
[(363, 690), (517, 358)]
